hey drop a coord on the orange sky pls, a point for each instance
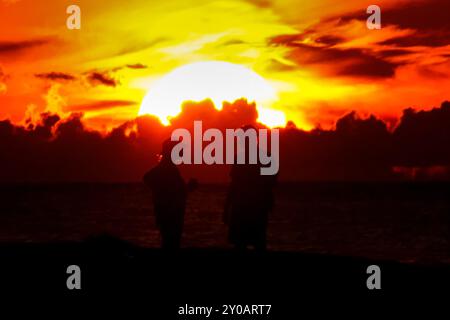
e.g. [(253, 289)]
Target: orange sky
[(318, 55)]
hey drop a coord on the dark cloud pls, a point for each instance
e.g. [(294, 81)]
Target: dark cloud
[(58, 149), (422, 38), (330, 40), (94, 77), (352, 62), (130, 66), (428, 15), (424, 137), (100, 105), (311, 34), (137, 66), (420, 15), (358, 149), (324, 114), (232, 115), (13, 47), (390, 53), (56, 76), (288, 40), (428, 20), (102, 78), (43, 129)]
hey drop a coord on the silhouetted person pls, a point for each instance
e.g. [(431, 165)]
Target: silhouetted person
[(249, 200), (169, 197)]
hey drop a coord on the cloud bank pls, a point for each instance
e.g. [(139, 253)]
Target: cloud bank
[(57, 149)]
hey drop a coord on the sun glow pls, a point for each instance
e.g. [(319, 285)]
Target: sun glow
[(217, 80)]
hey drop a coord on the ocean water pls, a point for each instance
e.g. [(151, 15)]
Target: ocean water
[(408, 222)]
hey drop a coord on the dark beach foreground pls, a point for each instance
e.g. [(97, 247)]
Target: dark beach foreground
[(322, 237), (111, 267)]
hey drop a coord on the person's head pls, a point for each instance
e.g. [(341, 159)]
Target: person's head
[(166, 151)]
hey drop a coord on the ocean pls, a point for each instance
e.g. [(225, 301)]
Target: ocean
[(405, 222)]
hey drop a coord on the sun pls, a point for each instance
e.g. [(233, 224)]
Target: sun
[(216, 80)]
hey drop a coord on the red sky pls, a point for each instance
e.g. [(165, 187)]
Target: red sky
[(318, 55)]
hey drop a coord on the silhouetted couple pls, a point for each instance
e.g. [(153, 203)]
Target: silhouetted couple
[(248, 203)]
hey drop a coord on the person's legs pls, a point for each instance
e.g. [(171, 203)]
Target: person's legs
[(259, 234), (170, 238), (261, 245), (171, 228), (236, 236), (240, 246)]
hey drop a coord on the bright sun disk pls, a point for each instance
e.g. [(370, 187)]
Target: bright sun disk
[(216, 80)]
